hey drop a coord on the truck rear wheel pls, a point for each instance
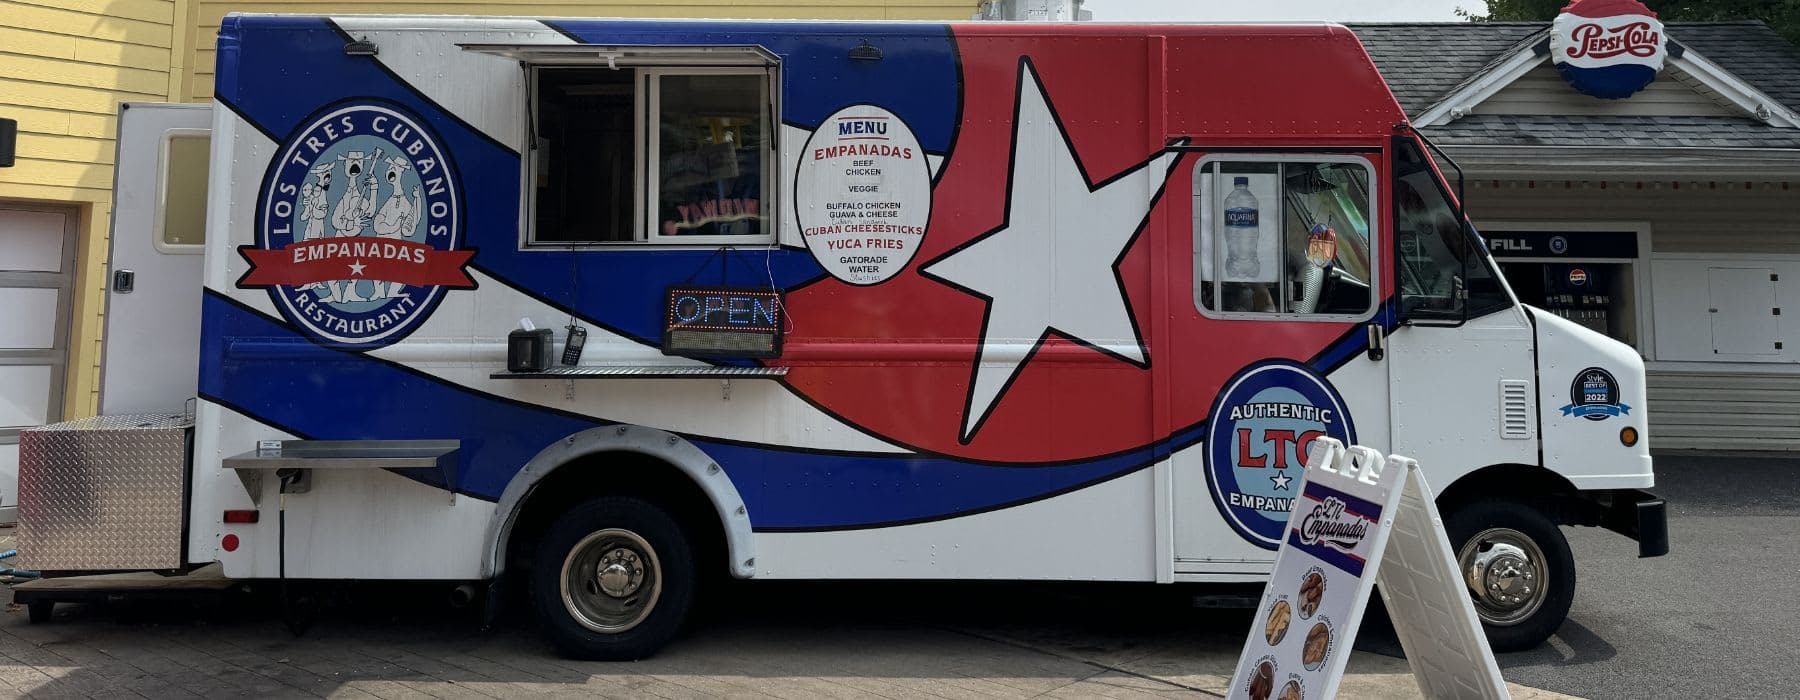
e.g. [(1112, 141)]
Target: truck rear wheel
[(613, 579), (1518, 568)]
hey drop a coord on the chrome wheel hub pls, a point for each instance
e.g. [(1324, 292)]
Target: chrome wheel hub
[(619, 574), (611, 580), (1505, 572)]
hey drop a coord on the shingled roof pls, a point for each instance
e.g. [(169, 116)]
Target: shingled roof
[(1752, 51), (1426, 62)]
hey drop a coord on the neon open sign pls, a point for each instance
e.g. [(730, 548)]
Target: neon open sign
[(722, 322)]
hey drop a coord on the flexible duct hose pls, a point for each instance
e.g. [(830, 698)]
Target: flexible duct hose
[(1311, 283)]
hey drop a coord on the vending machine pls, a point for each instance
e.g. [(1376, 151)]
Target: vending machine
[(1579, 292)]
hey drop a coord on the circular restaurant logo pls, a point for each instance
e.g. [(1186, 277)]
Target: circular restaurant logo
[(357, 226), (1263, 423), (1594, 395), (1607, 48)]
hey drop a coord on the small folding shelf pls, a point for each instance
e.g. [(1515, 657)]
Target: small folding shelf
[(646, 372), (344, 454)]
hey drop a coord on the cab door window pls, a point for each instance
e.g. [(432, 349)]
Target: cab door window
[(1284, 236), (1441, 263)]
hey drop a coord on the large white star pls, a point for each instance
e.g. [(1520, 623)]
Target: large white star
[(1052, 264)]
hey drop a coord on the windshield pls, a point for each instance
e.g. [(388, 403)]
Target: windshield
[(1441, 263)]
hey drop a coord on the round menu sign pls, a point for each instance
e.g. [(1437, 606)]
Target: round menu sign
[(862, 194)]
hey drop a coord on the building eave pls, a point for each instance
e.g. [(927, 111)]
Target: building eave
[(1629, 162)]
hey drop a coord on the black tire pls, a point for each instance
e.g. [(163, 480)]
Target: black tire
[(1521, 628), (668, 566), (39, 611)]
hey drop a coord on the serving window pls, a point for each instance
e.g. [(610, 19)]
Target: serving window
[(1284, 236), (651, 154)]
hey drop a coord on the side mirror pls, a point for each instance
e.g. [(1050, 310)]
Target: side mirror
[(1439, 316)]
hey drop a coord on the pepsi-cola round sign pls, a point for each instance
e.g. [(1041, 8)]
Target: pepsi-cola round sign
[(358, 226), (1608, 48), (1262, 425)]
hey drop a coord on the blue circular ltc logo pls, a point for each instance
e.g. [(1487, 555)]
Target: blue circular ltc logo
[(358, 225), (1263, 423)]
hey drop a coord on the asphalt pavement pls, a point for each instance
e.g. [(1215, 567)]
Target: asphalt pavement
[(765, 640), (1716, 617), (1710, 619)]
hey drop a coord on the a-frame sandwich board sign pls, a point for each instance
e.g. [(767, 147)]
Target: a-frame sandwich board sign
[(1360, 519)]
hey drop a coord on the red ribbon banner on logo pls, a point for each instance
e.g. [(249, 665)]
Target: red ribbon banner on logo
[(357, 258)]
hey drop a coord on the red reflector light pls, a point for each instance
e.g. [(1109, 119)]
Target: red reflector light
[(229, 543), (241, 516)]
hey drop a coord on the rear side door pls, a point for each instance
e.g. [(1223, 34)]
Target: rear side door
[(150, 361)]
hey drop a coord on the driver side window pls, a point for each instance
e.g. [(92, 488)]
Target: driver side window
[(1283, 236), (1440, 264)]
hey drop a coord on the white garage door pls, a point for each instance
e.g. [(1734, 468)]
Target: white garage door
[(37, 273)]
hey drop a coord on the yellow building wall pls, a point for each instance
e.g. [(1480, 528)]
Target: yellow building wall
[(210, 12), (64, 67)]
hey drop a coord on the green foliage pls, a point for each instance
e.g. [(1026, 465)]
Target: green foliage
[(1782, 15)]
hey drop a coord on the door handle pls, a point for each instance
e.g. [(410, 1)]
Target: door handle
[(124, 281), (1377, 342)]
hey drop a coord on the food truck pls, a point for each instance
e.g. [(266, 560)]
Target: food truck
[(600, 308)]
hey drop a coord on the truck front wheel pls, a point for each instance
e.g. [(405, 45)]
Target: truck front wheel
[(613, 579), (1518, 569)]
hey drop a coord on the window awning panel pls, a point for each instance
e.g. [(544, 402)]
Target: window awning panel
[(629, 55)]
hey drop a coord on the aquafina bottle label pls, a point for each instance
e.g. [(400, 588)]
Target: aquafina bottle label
[(1242, 225)]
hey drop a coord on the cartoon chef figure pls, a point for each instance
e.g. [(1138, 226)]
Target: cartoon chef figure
[(398, 217), (353, 212), (313, 203)]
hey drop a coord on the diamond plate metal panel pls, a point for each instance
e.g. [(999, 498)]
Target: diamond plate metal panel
[(103, 493)]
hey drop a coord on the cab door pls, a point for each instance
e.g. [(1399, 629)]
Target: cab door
[(1462, 358), (1279, 291)]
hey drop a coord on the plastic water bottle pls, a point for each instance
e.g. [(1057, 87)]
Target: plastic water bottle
[(1241, 227)]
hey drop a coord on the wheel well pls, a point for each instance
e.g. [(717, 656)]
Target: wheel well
[(1549, 491), (618, 473)]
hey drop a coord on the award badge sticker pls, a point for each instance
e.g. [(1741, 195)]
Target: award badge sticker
[(1594, 395)]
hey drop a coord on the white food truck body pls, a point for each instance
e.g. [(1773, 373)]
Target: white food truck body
[(898, 301)]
